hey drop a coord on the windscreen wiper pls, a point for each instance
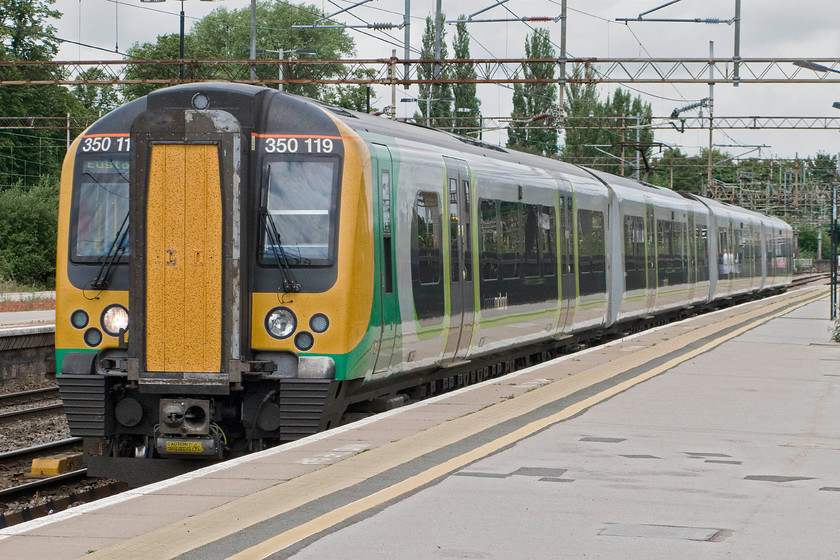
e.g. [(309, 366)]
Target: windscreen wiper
[(100, 281), (289, 282)]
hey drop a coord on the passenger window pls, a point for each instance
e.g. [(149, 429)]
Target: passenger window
[(591, 252), (489, 238), (426, 237)]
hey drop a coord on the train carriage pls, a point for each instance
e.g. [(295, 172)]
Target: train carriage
[(239, 267)]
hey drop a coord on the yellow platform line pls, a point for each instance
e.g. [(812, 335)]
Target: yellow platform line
[(191, 533), (339, 515)]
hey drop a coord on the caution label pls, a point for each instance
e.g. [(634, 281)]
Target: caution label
[(184, 447)]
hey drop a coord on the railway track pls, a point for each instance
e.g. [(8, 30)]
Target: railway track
[(11, 459), (26, 397), (29, 498), (800, 280), (28, 413)]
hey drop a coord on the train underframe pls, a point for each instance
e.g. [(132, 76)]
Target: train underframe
[(191, 428)]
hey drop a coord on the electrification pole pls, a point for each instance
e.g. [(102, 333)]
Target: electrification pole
[(562, 81), (711, 113)]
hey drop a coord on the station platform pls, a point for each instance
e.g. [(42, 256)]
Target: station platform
[(714, 437)]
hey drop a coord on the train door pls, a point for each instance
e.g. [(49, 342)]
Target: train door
[(461, 286), (650, 254), (382, 183), (691, 241), (186, 269), (566, 244), (184, 259)]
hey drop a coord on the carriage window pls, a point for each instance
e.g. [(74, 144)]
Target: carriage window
[(511, 243), (635, 266), (591, 252), (100, 208), (426, 236), (302, 203), (548, 241), (489, 239), (702, 234)]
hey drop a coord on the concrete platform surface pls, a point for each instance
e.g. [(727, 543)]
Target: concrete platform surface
[(18, 318), (733, 454), (714, 437)]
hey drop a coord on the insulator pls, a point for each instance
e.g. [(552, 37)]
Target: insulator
[(382, 26)]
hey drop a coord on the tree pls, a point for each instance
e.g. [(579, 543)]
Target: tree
[(24, 33), (688, 172), (357, 98), (25, 154), (97, 99), (28, 222), (440, 112), (609, 141), (535, 104), (467, 104), (225, 35)]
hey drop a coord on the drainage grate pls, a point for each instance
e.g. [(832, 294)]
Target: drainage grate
[(661, 532), (693, 455), (603, 439), (539, 471), (481, 474), (774, 478)]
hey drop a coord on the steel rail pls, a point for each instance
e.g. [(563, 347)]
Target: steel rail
[(41, 484), (8, 417), (25, 454), (22, 397)]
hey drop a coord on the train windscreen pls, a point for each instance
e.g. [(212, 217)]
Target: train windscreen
[(100, 207), (301, 202)]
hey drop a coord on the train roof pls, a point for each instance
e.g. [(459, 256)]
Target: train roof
[(227, 94)]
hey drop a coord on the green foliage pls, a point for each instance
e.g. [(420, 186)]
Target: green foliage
[(28, 220), (535, 100), (835, 330), (612, 126), (809, 242), (225, 35), (97, 99), (27, 153), (467, 104), (23, 32), (352, 97), (440, 112)]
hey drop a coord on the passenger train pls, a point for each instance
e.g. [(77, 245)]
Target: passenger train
[(239, 267)]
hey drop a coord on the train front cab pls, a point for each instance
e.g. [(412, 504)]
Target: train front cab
[(221, 349)]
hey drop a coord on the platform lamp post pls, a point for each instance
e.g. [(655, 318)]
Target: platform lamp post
[(281, 56), (833, 251), (808, 65), (428, 101), (181, 51)]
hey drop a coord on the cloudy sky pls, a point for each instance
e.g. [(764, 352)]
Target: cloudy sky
[(806, 29)]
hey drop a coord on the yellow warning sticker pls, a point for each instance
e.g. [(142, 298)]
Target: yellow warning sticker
[(184, 447)]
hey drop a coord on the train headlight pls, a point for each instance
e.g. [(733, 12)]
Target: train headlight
[(280, 322), (114, 319)]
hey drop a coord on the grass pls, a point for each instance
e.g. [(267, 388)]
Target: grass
[(30, 302), (835, 331)]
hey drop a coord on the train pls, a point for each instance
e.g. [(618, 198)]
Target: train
[(238, 267)]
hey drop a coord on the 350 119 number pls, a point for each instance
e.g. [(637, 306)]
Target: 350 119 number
[(298, 145), (106, 144)]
